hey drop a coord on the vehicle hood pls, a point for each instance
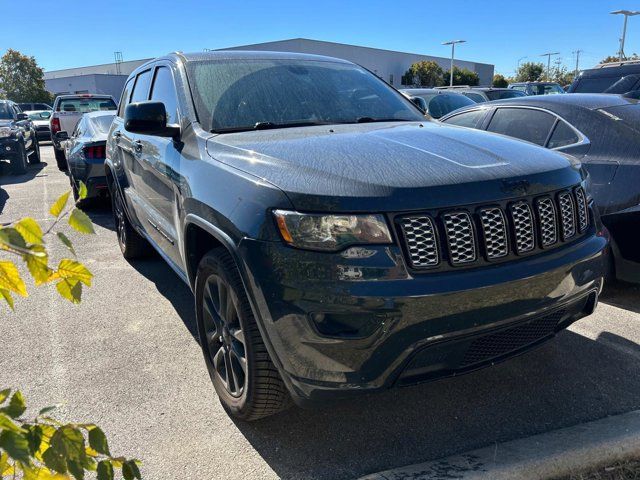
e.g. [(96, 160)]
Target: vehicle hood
[(393, 166)]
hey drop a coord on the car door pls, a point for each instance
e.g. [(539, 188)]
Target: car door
[(129, 151), (158, 158), (24, 126)]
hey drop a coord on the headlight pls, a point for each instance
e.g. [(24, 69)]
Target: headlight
[(5, 132), (331, 232)]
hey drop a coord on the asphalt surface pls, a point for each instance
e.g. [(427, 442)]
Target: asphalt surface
[(127, 359)]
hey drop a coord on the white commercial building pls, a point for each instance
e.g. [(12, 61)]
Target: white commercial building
[(387, 64)]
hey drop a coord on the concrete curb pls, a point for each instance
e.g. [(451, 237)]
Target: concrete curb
[(543, 456)]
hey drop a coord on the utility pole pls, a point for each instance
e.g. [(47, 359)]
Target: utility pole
[(577, 54), (453, 51), (548, 55), (627, 14), (118, 58)]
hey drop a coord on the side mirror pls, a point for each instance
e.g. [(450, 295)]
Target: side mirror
[(149, 118), (22, 116), (420, 102), (62, 135)]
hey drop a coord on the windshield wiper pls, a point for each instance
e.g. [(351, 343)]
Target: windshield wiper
[(268, 126), (371, 120)]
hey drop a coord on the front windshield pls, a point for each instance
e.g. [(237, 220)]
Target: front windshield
[(5, 112), (235, 95), (502, 94), (39, 115), (547, 89), (445, 103)]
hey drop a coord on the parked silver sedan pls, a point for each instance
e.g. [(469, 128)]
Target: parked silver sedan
[(85, 153)]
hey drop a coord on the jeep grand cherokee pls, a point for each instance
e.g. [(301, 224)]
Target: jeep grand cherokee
[(337, 241)]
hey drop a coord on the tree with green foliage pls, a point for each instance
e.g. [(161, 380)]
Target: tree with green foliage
[(499, 81), (21, 79), (560, 74), (462, 76), (616, 58), (530, 72), (424, 74), (44, 448)]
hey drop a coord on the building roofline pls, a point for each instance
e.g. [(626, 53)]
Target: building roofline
[(352, 45)]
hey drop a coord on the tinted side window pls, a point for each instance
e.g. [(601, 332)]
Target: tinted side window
[(562, 136), (523, 123), (164, 91), (141, 88), (467, 119), (476, 97), (124, 100)]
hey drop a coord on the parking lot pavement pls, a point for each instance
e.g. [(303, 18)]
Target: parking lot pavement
[(127, 359)]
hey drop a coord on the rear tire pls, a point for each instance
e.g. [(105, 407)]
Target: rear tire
[(61, 159), (247, 382), (20, 160), (34, 158), (132, 244)]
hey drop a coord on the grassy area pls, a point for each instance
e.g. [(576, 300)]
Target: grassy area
[(620, 471)]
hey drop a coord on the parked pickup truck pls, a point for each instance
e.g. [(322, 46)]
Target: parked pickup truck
[(67, 111)]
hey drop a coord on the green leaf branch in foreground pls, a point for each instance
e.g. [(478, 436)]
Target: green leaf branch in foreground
[(47, 449), (26, 240)]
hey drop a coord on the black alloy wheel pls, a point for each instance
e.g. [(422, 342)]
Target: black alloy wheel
[(132, 244), (224, 335), (35, 155), (248, 384), (20, 159)]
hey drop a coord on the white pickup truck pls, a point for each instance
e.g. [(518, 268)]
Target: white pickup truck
[(67, 111)]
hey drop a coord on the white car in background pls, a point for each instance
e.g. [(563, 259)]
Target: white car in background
[(67, 111)]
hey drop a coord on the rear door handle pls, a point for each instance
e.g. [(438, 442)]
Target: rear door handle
[(117, 135), (137, 146)]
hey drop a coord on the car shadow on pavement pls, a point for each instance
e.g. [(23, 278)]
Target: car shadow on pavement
[(8, 178), (171, 287), (569, 380), (622, 295)]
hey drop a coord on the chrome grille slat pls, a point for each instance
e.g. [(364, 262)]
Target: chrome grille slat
[(583, 209), (494, 228), (420, 236), (523, 227), (567, 215), (461, 237), (548, 221)]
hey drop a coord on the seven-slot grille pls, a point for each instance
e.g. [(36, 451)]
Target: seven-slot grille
[(522, 226)]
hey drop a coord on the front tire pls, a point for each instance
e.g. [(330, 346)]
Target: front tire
[(61, 159), (132, 244), (20, 160), (34, 159), (247, 382)]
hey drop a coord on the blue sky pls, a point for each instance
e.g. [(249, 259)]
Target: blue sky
[(88, 32)]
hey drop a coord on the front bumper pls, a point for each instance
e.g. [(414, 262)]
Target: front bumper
[(339, 324)]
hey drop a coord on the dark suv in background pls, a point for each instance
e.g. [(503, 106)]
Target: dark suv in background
[(608, 78), (18, 138), (336, 240)]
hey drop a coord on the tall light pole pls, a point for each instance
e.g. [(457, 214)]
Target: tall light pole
[(627, 14), (519, 60), (577, 52), (548, 55), (453, 51)]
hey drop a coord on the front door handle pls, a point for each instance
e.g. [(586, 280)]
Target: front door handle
[(137, 146), (117, 135)]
